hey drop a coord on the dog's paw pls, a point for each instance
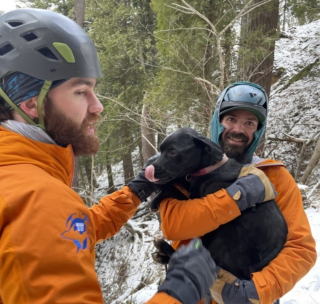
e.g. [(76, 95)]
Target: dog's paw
[(160, 259), (163, 247), (163, 253), (154, 205)]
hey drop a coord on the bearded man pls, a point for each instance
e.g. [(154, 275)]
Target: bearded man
[(238, 124)]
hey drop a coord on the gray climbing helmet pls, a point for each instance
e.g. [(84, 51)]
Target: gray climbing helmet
[(45, 45), (244, 96)]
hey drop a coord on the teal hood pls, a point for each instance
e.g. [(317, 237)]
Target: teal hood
[(241, 95)]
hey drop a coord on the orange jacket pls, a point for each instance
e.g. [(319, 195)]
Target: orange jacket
[(47, 234), (181, 221)]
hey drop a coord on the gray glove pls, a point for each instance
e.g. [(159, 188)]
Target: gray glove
[(240, 292), (191, 273), (140, 185), (252, 187), (231, 290)]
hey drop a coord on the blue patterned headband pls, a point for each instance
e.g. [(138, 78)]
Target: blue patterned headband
[(20, 87)]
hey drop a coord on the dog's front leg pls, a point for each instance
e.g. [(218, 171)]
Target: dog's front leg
[(167, 190), (163, 253)]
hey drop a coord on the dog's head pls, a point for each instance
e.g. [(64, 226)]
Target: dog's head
[(183, 152)]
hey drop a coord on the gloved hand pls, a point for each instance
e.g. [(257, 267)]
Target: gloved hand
[(252, 187), (230, 290), (191, 273), (140, 185)]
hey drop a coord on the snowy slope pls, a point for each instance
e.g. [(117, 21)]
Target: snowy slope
[(307, 290), (294, 101)]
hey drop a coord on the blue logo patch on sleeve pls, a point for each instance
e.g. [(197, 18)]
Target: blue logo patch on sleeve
[(76, 231)]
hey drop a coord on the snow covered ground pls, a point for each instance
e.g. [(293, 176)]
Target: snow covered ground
[(307, 290)]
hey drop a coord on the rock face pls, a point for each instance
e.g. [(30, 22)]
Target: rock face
[(295, 100)]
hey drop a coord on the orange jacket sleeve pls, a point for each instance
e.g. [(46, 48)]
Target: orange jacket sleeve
[(113, 211), (299, 254), (181, 220)]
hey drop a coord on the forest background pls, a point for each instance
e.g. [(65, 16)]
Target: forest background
[(164, 63)]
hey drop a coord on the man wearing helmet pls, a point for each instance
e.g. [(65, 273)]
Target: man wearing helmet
[(240, 99), (238, 125), (48, 114)]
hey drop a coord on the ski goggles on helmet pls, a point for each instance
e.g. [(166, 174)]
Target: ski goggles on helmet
[(244, 96)]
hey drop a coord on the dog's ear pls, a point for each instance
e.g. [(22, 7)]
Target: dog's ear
[(212, 150)]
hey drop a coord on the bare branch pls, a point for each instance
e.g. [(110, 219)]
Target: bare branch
[(298, 140), (312, 163), (217, 90), (313, 189), (155, 149)]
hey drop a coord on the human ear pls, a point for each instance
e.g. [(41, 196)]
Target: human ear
[(30, 107)]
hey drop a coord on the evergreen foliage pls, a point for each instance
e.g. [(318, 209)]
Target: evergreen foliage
[(122, 31), (305, 11), (188, 65), (64, 7)]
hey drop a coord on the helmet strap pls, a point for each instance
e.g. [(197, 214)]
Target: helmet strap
[(44, 90), (16, 108)]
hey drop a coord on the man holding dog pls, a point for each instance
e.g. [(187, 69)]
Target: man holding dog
[(238, 124)]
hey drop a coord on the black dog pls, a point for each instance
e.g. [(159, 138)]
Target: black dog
[(242, 246)]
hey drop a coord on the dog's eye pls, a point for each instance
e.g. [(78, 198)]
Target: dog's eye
[(173, 152)]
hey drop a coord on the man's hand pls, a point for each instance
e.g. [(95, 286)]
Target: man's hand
[(252, 187), (230, 290), (140, 185), (191, 273)]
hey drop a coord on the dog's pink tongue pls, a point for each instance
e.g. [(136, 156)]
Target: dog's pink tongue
[(149, 174)]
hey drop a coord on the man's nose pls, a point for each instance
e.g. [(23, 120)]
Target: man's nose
[(95, 105), (238, 127)]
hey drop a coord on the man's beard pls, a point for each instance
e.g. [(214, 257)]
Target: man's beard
[(64, 131), (237, 152)]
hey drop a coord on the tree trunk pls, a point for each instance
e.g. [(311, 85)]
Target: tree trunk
[(209, 67), (147, 135), (257, 49), (312, 163), (79, 9), (91, 179), (161, 131), (266, 19), (126, 156), (111, 186)]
